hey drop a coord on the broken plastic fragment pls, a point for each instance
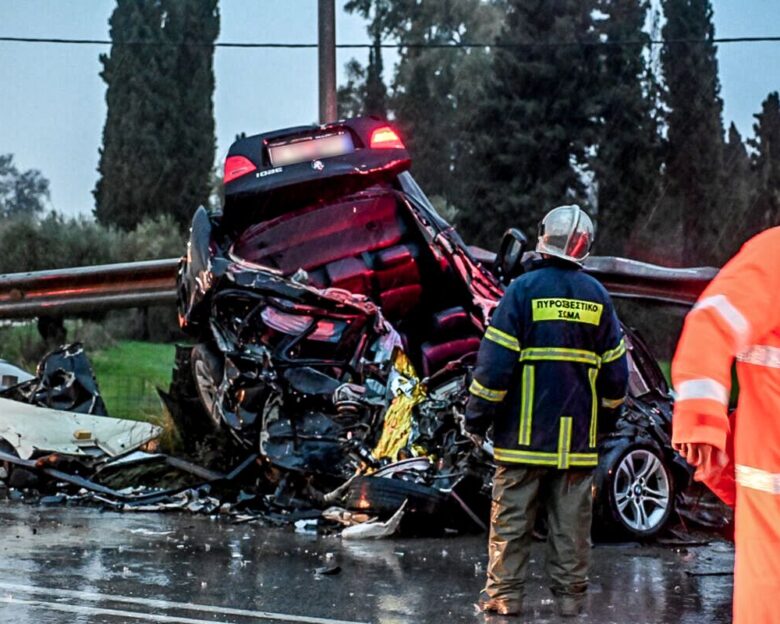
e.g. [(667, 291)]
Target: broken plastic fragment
[(375, 530)]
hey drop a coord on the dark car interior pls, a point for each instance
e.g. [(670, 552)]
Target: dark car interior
[(369, 243)]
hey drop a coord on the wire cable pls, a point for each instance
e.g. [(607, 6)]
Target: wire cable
[(453, 45)]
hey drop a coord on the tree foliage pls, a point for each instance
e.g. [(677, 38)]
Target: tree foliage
[(764, 210), (695, 128), (433, 91), (580, 107), (22, 193), (537, 119), (158, 138), (737, 196), (56, 241), (628, 160)]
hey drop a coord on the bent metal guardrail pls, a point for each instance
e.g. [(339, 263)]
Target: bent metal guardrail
[(74, 291)]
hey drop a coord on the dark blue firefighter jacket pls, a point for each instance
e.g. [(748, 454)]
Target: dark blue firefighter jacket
[(551, 359)]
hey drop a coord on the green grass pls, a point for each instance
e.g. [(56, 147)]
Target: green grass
[(128, 374), (666, 369)]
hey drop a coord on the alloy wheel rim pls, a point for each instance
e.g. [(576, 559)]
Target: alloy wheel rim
[(642, 490)]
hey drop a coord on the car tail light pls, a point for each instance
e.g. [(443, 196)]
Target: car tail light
[(385, 138), (236, 166)]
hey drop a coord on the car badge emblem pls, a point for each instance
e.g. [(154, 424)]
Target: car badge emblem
[(317, 165)]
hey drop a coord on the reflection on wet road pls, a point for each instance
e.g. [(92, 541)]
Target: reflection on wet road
[(64, 565)]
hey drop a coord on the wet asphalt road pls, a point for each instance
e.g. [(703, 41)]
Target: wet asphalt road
[(77, 566)]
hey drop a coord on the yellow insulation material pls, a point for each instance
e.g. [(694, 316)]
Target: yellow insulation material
[(397, 425)]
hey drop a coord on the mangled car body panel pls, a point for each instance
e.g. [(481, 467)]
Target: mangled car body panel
[(64, 381), (29, 429), (338, 316)]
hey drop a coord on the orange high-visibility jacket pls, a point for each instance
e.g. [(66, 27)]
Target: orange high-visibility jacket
[(738, 318)]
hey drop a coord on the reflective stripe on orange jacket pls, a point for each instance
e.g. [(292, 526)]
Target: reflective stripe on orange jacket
[(738, 318)]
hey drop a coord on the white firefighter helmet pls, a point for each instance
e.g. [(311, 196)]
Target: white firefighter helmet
[(566, 232)]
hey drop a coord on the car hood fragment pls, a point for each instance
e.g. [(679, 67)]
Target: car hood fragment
[(30, 429)]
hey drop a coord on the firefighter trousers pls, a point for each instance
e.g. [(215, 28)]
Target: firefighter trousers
[(518, 493)]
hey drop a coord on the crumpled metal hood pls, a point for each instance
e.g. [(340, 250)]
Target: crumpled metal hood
[(29, 428)]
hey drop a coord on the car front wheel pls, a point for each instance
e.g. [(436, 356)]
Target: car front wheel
[(635, 491)]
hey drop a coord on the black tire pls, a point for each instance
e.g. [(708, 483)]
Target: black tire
[(207, 369), (427, 509), (635, 492), (183, 403)]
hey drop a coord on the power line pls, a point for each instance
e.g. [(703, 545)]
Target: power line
[(453, 45)]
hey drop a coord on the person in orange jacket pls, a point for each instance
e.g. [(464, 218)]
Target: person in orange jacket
[(737, 318)]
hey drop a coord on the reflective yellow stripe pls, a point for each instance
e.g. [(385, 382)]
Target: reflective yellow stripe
[(614, 354), (560, 354), (541, 458), (564, 442), (613, 403), (593, 373), (571, 310), (583, 459), (502, 338), (527, 407), (477, 389)]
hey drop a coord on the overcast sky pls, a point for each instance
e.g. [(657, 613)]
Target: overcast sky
[(52, 100)]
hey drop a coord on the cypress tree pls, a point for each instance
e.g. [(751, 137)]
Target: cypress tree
[(191, 28), (365, 92), (376, 91), (537, 119), (158, 139), (695, 128), (628, 160), (132, 156), (765, 211), (736, 198)]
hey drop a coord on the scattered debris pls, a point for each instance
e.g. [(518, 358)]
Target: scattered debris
[(344, 517), (329, 569), (63, 381), (439, 482), (306, 526), (375, 530)]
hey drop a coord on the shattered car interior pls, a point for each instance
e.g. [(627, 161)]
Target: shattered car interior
[(336, 318)]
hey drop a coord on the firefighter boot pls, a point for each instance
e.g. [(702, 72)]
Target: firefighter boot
[(569, 605), (500, 606)]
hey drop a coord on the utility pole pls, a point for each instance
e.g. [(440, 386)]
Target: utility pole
[(326, 47)]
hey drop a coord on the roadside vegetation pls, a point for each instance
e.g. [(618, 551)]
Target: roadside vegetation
[(128, 371), (128, 376)]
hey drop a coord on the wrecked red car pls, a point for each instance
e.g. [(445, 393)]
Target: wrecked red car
[(337, 317)]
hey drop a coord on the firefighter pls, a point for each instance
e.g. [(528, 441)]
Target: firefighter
[(737, 318), (552, 357)]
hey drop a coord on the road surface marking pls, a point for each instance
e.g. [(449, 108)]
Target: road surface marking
[(68, 608), (167, 604)]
